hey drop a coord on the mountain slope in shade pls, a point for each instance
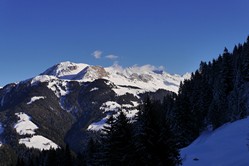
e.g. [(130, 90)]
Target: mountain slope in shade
[(226, 146)]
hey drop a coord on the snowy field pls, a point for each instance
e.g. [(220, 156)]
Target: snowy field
[(226, 146), (26, 127)]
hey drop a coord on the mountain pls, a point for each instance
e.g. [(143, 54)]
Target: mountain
[(227, 145), (70, 101), (146, 78)]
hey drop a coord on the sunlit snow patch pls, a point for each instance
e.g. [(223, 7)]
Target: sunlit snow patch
[(42, 78), (110, 106), (131, 113), (35, 98), (59, 87), (38, 142), (96, 126), (24, 126)]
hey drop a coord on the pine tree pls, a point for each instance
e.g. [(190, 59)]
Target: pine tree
[(68, 157), (20, 162), (155, 143), (91, 151), (117, 141)]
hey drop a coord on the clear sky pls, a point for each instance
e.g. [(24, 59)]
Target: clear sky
[(176, 34)]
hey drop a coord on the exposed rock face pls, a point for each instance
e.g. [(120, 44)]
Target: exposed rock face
[(91, 73)]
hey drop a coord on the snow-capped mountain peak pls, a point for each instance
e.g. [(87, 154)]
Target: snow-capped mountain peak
[(146, 78), (65, 70)]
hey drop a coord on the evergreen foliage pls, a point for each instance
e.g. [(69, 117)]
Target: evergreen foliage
[(215, 94)]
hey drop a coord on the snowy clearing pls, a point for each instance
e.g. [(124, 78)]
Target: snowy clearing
[(226, 146), (35, 98), (131, 113), (24, 126), (38, 142), (110, 106), (96, 126)]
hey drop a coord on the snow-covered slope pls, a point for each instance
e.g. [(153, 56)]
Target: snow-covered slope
[(226, 146), (26, 127), (65, 70), (38, 142), (144, 78), (147, 78)]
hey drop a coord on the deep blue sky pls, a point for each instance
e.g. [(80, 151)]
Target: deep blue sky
[(177, 34)]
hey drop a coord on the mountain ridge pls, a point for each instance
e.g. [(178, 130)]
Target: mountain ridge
[(136, 75)]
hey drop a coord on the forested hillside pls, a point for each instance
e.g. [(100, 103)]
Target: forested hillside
[(216, 93)]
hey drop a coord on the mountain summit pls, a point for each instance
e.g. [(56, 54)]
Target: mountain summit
[(147, 77)]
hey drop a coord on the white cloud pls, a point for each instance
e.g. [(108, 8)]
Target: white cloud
[(111, 57), (97, 54)]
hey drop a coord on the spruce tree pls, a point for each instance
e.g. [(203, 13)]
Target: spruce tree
[(155, 142), (117, 141)]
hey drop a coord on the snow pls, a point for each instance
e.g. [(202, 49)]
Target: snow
[(35, 98), (66, 70), (119, 90), (145, 78), (110, 106), (135, 103), (24, 126), (127, 106), (59, 87), (226, 146), (38, 142), (96, 126), (131, 113), (42, 78), (94, 89)]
